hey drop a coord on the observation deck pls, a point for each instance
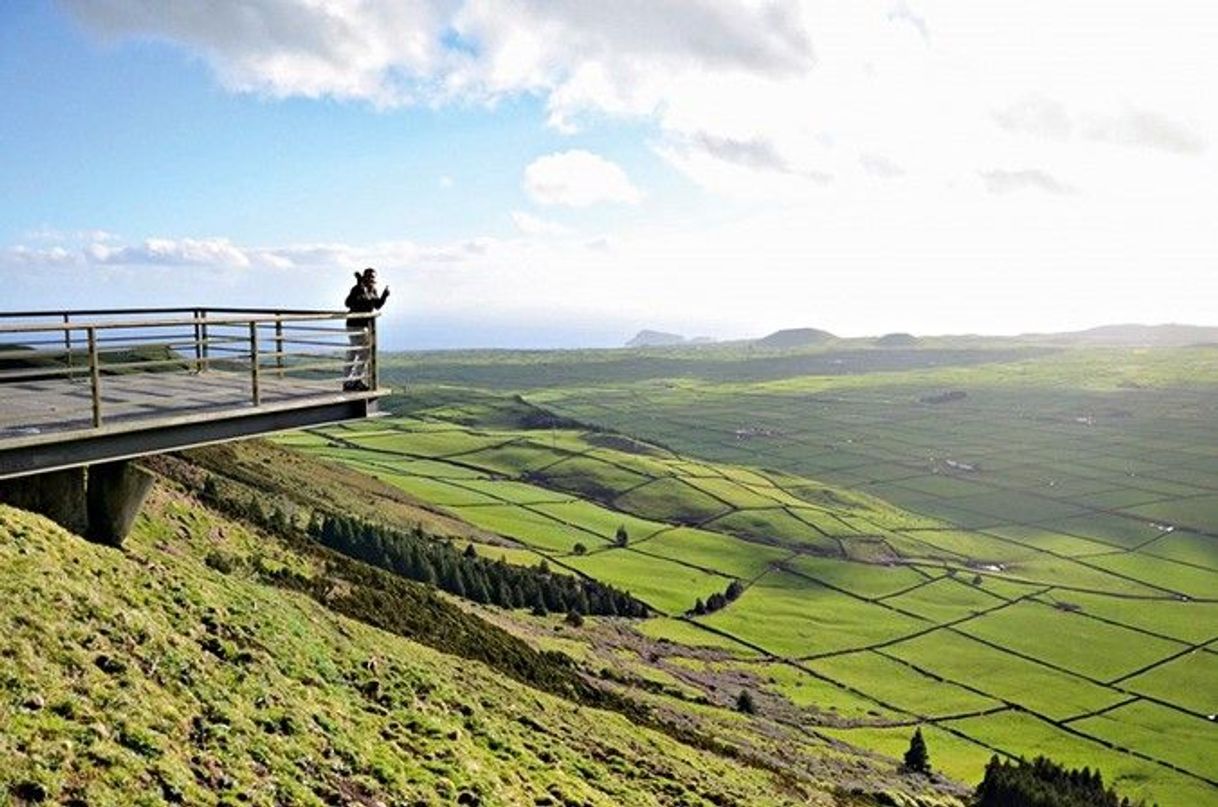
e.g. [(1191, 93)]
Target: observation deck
[(85, 387)]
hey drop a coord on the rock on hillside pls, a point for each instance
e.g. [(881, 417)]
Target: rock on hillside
[(655, 339), (795, 337)]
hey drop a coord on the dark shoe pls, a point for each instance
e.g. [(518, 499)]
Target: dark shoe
[(360, 386), (351, 386)]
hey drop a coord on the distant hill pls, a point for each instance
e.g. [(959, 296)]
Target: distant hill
[(896, 340), (1130, 335), (795, 337), (655, 339)]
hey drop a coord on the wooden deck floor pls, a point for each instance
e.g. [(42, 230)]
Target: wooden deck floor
[(47, 407)]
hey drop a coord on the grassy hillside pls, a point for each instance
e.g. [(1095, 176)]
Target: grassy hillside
[(212, 663), (858, 618), (151, 676)]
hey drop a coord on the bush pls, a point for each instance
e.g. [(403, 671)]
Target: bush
[(745, 704), (621, 537)]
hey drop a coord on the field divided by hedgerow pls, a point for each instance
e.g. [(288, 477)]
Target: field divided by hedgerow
[(1009, 600)]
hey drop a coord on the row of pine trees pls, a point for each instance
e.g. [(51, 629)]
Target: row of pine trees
[(466, 574), (716, 601)]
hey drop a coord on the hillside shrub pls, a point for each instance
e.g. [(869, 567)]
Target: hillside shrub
[(1043, 783)]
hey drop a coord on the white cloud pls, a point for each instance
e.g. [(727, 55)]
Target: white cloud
[(578, 178), (943, 160), (23, 255), (528, 224), (1044, 117), (1004, 181), (805, 86), (170, 252)]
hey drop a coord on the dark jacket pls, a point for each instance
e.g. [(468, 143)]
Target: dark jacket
[(363, 300)]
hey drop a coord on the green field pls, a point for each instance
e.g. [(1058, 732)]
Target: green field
[(1030, 566)]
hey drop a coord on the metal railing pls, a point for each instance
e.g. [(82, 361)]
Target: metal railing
[(276, 353)]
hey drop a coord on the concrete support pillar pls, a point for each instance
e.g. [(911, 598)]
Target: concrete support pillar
[(58, 495), (100, 503), (116, 490)]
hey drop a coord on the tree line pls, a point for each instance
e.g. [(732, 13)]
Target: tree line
[(1043, 783), (467, 574), (716, 601)]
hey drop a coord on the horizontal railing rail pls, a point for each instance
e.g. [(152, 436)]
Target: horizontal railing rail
[(132, 352)]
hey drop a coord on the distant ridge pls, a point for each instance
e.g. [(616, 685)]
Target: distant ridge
[(1133, 335), (795, 337), (647, 338), (896, 340)]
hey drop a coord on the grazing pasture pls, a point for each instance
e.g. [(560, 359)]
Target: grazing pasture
[(1028, 567)]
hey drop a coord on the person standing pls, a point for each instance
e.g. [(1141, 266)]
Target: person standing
[(362, 299)]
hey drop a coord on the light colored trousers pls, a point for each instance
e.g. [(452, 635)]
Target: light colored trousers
[(357, 354)]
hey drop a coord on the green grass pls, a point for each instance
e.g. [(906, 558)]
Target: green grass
[(807, 691), (435, 491), (662, 584), (1000, 675), (733, 493), (1186, 547), (946, 600), (1110, 529), (1184, 621), (1164, 574), (1190, 742), (514, 492), (145, 676), (776, 527), (600, 520), (1188, 682), (534, 530), (1024, 735), (685, 633), (712, 550), (863, 580), (1073, 641), (949, 754), (1048, 541), (901, 686), (590, 478), (671, 500), (1072, 455), (975, 547), (793, 617), (436, 444)]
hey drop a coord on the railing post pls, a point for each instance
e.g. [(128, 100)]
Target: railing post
[(198, 341), (67, 341), (279, 342), (203, 331), (257, 393), (371, 368), (94, 376)]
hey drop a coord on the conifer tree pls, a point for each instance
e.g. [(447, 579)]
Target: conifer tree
[(917, 759)]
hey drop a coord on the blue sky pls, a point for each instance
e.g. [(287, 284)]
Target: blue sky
[(563, 174), (135, 137)]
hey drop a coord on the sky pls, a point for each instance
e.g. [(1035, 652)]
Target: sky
[(540, 173)]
